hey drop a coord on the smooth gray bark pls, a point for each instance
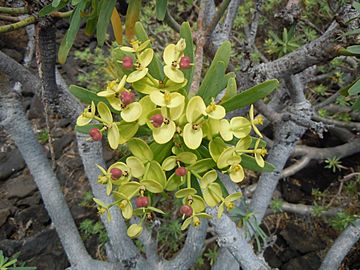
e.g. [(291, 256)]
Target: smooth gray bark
[(341, 247)]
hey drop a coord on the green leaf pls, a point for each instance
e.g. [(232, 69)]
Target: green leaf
[(86, 129), (50, 8), (356, 5), (355, 49), (202, 165), (127, 130), (55, 3), (251, 95), (355, 88), (161, 6), (106, 8), (185, 32), (214, 81), (155, 173), (216, 147), (231, 89), (86, 96), (70, 35), (132, 16), (353, 32), (356, 105), (155, 67), (140, 149), (161, 151), (249, 162)]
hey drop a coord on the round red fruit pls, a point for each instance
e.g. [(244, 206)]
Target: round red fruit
[(127, 97), (127, 62), (142, 201), (181, 171), (185, 62), (95, 134), (186, 210), (157, 120), (116, 173)]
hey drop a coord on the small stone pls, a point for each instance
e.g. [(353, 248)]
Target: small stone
[(10, 162), (19, 187), (309, 262)]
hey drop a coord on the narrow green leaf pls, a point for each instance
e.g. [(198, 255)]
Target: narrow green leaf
[(106, 9), (185, 32), (356, 105), (161, 151), (70, 35), (355, 88), (353, 32), (161, 6), (355, 49), (155, 67), (213, 82), (251, 95), (132, 16), (50, 8), (86, 129), (249, 162), (86, 96), (356, 5), (55, 3)]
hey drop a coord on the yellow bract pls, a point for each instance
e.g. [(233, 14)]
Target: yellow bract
[(88, 114), (172, 55), (136, 46), (112, 129), (143, 60), (255, 121)]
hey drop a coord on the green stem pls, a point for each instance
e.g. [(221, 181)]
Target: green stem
[(196, 174), (188, 179), (59, 14), (14, 26), (10, 10)]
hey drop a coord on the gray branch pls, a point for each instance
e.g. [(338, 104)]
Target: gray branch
[(121, 244), (233, 240), (191, 250), (341, 247), (11, 112)]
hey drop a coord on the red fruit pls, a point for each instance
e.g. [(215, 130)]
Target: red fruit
[(95, 134), (127, 62), (181, 171), (142, 201), (185, 62), (127, 97), (186, 210), (116, 173), (157, 120)]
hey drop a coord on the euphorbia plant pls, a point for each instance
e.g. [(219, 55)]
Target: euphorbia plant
[(178, 142)]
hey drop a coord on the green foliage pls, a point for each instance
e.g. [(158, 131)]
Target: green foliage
[(342, 220), (281, 46), (320, 90), (276, 205), (170, 236), (11, 263), (318, 210), (87, 199), (42, 136), (211, 255), (334, 164), (91, 228), (323, 112)]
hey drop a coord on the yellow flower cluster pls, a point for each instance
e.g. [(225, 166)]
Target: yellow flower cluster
[(188, 124)]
